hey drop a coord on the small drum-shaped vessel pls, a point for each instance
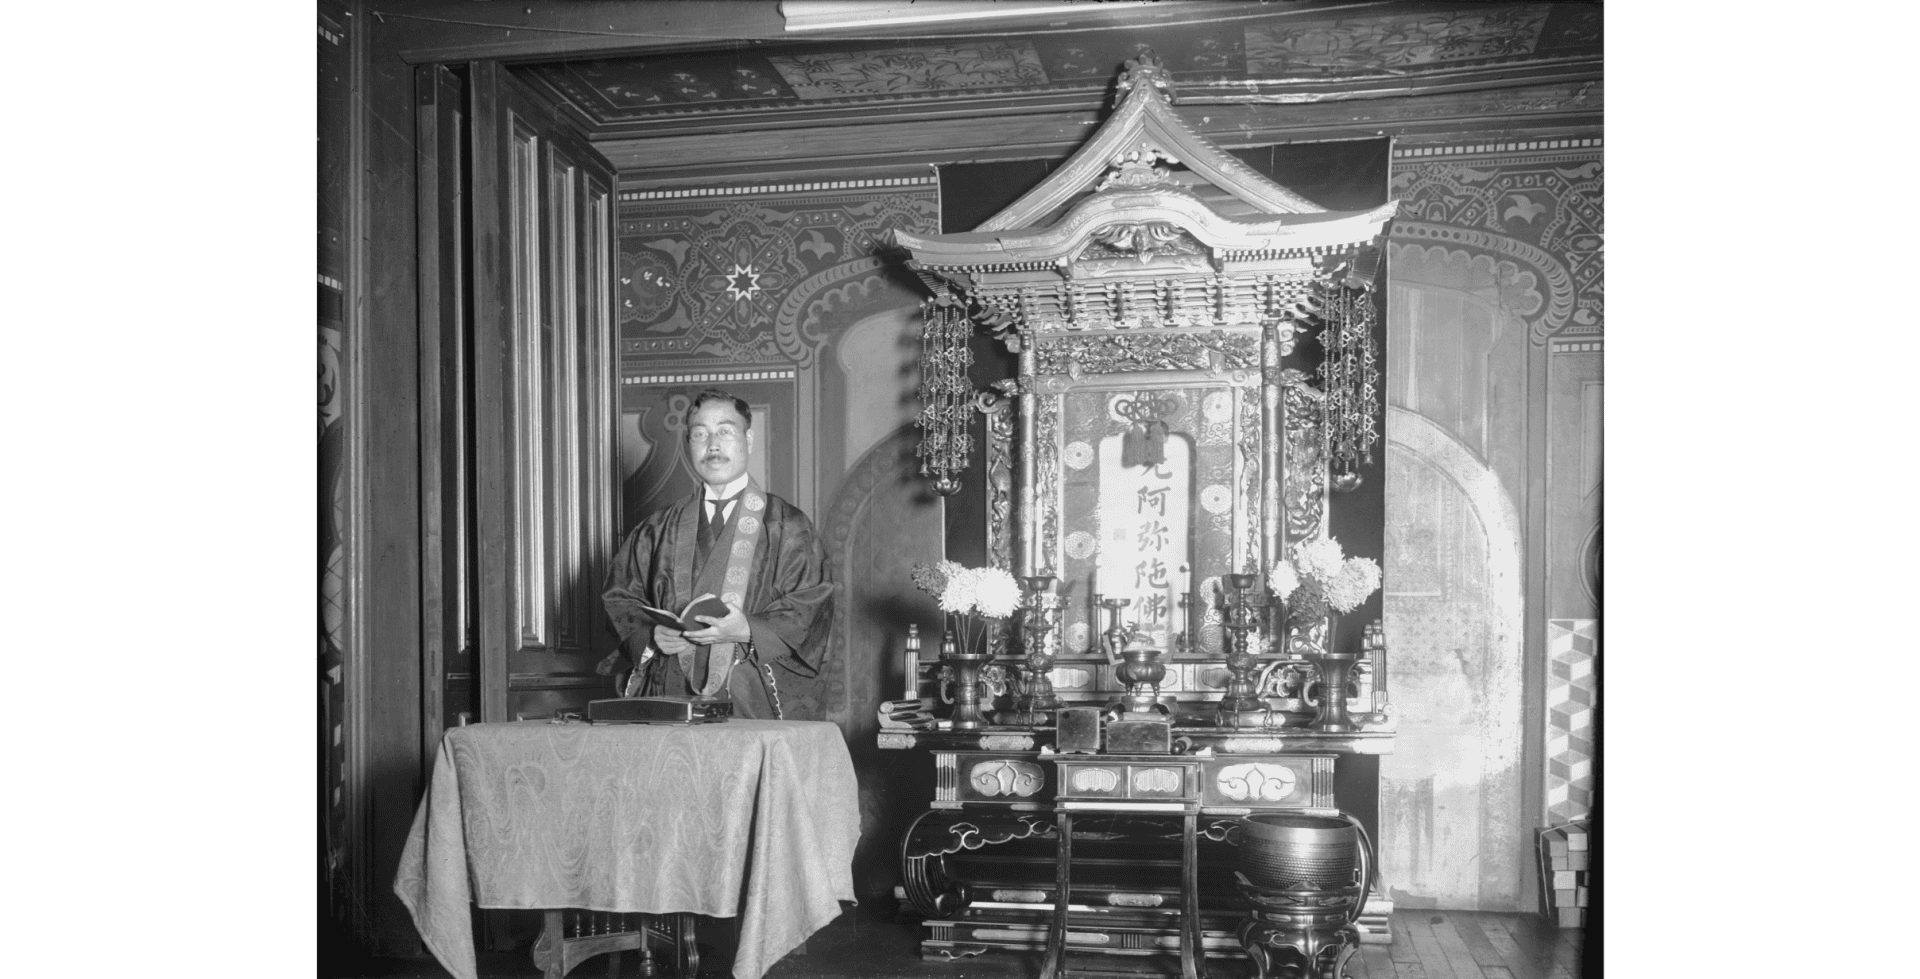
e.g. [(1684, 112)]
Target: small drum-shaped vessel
[(1281, 850)]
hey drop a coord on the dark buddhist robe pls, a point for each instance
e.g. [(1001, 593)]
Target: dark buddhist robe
[(788, 600)]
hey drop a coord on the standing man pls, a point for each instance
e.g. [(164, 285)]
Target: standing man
[(754, 550)]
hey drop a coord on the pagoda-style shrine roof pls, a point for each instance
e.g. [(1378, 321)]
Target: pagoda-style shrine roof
[(1119, 189)]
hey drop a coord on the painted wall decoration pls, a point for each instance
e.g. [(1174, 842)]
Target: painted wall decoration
[(1294, 44), (1453, 616), (981, 64), (753, 279), (1532, 207), (1284, 47), (1495, 314)]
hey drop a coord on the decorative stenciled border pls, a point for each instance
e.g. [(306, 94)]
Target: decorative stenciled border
[(716, 377), (1518, 146), (675, 193), (1577, 346)]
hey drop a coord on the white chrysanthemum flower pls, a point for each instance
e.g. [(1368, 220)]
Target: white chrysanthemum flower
[(1369, 572), (996, 594), (1357, 579), (962, 589), (1282, 580), (1319, 558)]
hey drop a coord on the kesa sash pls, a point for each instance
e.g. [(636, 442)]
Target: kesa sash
[(748, 525)]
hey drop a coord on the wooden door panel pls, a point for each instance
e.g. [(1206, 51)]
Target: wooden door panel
[(449, 639), (543, 390)]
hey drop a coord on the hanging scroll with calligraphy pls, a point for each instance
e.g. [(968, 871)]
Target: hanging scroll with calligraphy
[(1147, 510)]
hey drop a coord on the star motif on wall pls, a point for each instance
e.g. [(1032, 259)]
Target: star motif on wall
[(743, 282)]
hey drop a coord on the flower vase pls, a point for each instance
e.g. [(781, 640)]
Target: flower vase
[(961, 687), (1335, 668)]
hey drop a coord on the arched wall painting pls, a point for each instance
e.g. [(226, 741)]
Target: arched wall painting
[(1452, 832), (1495, 315)]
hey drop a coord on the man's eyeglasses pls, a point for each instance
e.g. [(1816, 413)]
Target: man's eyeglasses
[(702, 436)]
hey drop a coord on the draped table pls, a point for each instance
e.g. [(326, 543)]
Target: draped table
[(755, 818)]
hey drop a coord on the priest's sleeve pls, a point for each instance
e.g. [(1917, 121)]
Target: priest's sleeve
[(629, 582), (791, 628)]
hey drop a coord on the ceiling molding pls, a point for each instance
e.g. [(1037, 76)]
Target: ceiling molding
[(887, 143)]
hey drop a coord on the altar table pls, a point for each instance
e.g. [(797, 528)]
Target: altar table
[(755, 818)]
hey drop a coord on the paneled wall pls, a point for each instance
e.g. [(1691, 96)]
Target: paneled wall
[(1493, 476), (336, 67), (777, 292)]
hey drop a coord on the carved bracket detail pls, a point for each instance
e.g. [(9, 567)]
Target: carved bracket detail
[(1106, 354)]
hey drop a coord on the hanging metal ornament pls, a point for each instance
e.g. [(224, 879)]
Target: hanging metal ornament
[(1351, 371), (946, 393)]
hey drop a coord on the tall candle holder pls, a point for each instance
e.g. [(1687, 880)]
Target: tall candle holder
[(1183, 637), (1035, 703), (1114, 638), (1241, 705)]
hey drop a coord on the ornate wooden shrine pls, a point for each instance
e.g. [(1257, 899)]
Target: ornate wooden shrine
[(1159, 450)]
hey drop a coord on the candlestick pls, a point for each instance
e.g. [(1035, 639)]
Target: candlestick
[(1241, 705), (1183, 587), (1035, 703)]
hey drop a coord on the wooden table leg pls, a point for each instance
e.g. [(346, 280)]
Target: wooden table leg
[(549, 950), (686, 959), (1054, 966), (1193, 955)]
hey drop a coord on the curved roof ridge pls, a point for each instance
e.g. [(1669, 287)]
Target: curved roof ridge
[(1146, 124)]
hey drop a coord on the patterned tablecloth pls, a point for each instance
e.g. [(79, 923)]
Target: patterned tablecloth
[(755, 818)]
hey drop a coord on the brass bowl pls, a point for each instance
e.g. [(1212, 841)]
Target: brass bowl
[(1282, 850)]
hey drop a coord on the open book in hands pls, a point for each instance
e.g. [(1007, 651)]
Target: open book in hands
[(707, 604)]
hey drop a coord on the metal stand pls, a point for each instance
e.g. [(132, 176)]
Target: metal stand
[(1300, 934)]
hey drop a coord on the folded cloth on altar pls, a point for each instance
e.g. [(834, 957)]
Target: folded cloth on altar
[(757, 818)]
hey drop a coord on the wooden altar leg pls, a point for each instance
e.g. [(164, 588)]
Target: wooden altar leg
[(1193, 955), (1054, 966)]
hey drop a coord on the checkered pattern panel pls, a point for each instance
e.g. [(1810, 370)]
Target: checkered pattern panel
[(1573, 648)]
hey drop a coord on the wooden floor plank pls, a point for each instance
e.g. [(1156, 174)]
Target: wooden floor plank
[(1459, 957), (1409, 970), (1467, 923), (1496, 972), (1556, 950), (1566, 952), (1525, 962), (1401, 950), (1359, 968), (1427, 948), (1379, 960)]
